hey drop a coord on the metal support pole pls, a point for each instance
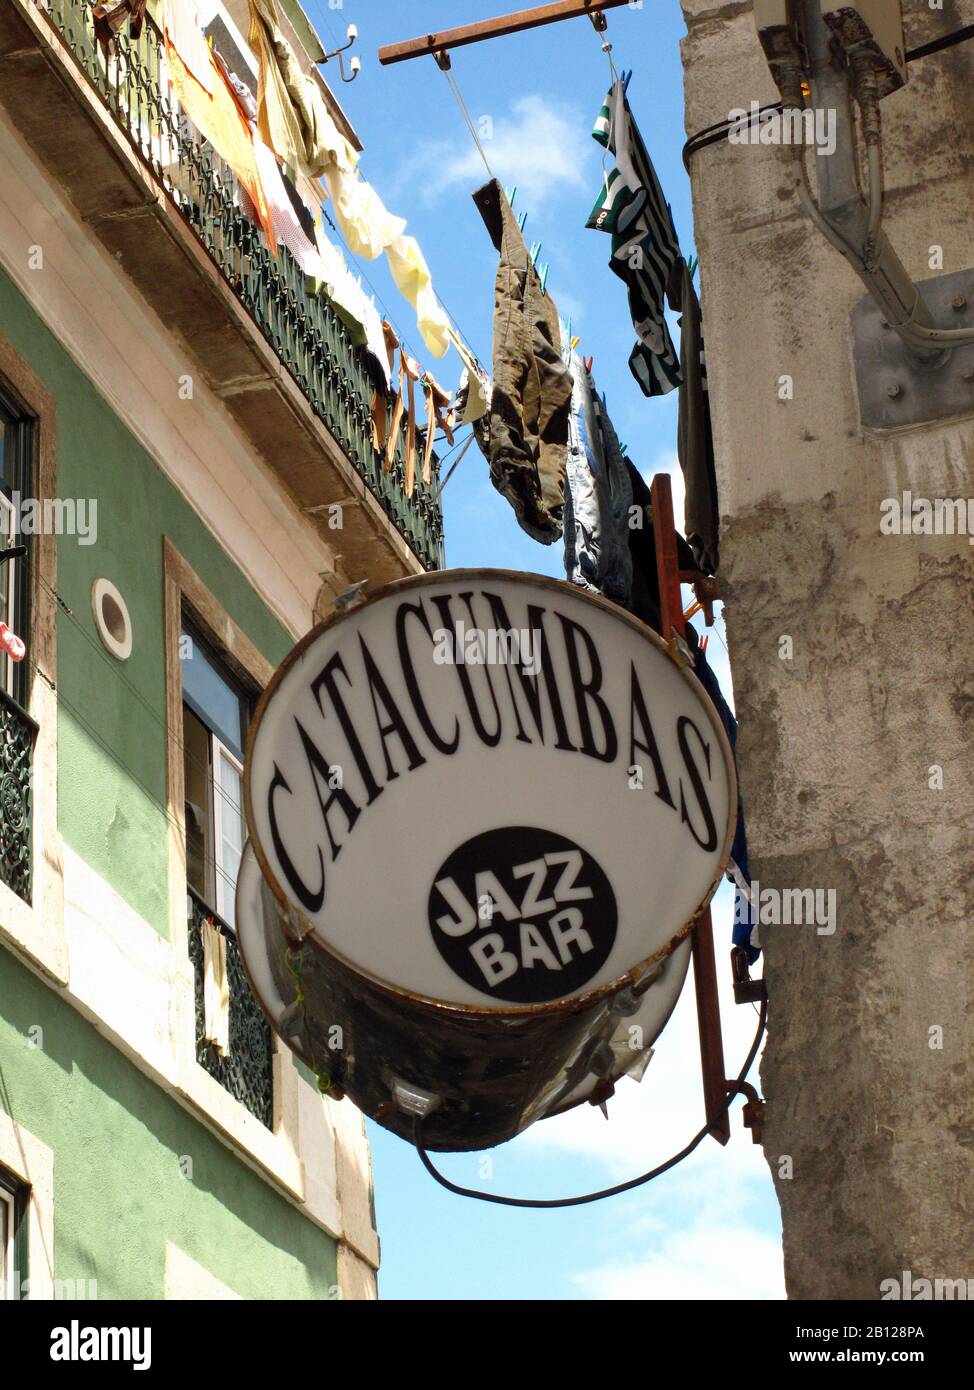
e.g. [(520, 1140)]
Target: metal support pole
[(840, 199), (494, 28), (704, 965)]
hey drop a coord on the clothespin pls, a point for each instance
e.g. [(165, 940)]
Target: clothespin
[(706, 591), (521, 221), (703, 642), (588, 364), (544, 277), (626, 79), (535, 253), (511, 193), (573, 343)]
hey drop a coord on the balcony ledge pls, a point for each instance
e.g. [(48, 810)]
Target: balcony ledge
[(61, 115)]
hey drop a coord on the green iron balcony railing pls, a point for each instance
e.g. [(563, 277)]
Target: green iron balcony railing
[(17, 734), (304, 330), (246, 1071)]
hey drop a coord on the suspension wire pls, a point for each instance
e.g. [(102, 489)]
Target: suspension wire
[(733, 1092), (454, 87), (453, 466), (360, 267), (606, 48)]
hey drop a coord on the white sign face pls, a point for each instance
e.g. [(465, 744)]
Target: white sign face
[(489, 790)]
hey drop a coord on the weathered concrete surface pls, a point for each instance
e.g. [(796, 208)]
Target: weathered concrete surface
[(837, 745)]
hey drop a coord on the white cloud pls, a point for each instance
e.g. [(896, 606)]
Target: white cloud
[(707, 1262), (700, 1220), (652, 1119), (540, 147)]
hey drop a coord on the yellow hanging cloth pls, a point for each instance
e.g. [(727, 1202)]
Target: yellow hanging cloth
[(292, 116), (411, 273), (362, 217), (293, 119), (216, 987), (477, 399), (218, 118)]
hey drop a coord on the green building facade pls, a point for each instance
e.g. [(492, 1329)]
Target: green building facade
[(204, 505)]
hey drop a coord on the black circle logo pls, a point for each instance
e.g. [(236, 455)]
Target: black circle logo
[(523, 915)]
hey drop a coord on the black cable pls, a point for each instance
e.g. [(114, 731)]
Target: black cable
[(713, 134), (938, 45), (606, 1191)]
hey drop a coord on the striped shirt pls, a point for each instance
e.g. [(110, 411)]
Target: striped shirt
[(632, 209)]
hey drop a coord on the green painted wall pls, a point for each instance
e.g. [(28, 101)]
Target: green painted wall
[(111, 729), (117, 1142), (117, 1138)]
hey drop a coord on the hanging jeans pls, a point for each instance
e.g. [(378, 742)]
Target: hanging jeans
[(532, 393), (598, 496)]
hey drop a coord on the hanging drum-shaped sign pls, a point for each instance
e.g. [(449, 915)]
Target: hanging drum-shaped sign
[(487, 807)]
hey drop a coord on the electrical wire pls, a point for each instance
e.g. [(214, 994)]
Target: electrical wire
[(938, 45), (714, 134), (656, 1172)]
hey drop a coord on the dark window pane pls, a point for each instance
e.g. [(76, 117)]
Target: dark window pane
[(198, 783), (212, 697)]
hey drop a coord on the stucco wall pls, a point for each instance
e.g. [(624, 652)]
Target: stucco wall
[(120, 1151), (111, 727), (111, 815), (837, 743)]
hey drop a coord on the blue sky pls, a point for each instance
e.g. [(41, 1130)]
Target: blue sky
[(711, 1228)]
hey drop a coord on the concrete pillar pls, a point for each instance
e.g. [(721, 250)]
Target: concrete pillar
[(868, 1068)]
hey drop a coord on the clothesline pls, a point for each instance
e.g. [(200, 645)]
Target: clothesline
[(287, 120)]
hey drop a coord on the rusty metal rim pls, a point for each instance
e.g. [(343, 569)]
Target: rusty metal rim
[(574, 1003), (586, 1100)]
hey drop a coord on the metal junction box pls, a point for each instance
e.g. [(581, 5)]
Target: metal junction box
[(896, 389)]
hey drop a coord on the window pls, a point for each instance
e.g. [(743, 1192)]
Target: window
[(216, 711), (14, 1198), (15, 474), (233, 1038)]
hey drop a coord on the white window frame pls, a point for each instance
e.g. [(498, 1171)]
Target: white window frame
[(219, 751), (8, 580), (7, 1289)]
